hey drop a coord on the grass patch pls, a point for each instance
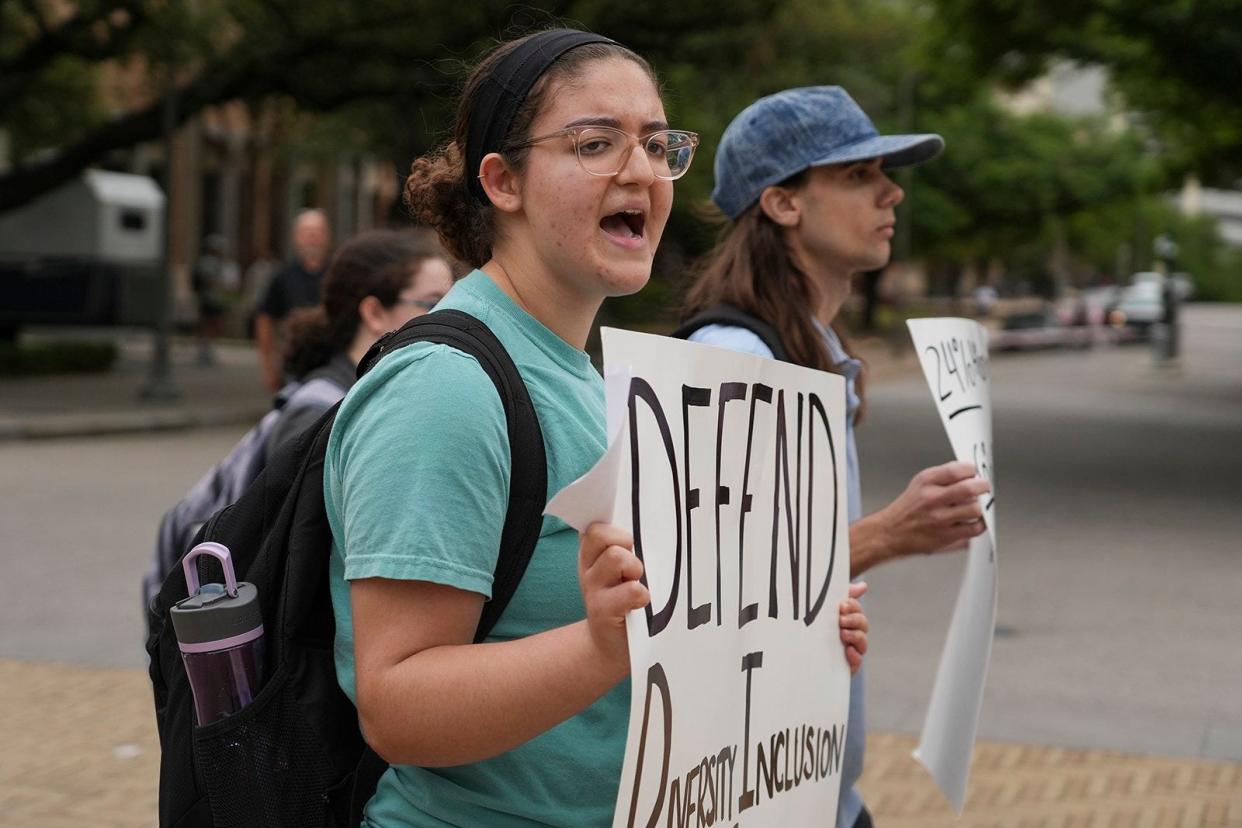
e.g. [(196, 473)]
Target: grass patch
[(66, 356)]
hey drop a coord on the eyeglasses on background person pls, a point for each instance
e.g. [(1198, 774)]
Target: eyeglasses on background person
[(425, 304), (604, 151)]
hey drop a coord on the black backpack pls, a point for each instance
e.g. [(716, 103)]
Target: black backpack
[(725, 314), (295, 755)]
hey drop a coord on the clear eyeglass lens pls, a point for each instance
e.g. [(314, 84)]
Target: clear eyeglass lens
[(604, 151)]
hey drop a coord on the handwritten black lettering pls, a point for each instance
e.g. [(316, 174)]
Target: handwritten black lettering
[(695, 616), (748, 612), (704, 794), (656, 678), (941, 395), (813, 609), (792, 756), (750, 662), (641, 389), (729, 391), (792, 533)]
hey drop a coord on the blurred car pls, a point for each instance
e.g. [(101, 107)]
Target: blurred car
[(1139, 306), (1031, 330), (1100, 302)]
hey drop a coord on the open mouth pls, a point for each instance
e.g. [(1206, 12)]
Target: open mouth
[(626, 225)]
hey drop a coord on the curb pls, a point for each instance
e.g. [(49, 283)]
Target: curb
[(50, 426)]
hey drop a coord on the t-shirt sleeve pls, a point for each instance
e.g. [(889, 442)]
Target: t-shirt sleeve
[(732, 337), (422, 471)]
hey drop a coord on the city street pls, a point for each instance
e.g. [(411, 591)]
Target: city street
[(1118, 515), (1118, 627), (1119, 518)]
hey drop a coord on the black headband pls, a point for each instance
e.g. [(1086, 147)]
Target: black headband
[(504, 90)]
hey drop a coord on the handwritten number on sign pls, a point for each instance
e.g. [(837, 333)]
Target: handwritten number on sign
[(940, 394), (968, 363), (983, 462), (951, 351), (979, 358)]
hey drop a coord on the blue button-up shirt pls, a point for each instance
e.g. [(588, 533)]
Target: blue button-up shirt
[(745, 341)]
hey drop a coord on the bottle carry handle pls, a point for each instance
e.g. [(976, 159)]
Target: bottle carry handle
[(216, 550)]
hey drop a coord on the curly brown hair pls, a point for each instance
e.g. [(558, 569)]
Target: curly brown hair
[(437, 191)]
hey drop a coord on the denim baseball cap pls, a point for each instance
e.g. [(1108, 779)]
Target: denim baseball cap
[(783, 134)]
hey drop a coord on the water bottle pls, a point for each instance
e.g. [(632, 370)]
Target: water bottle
[(220, 632)]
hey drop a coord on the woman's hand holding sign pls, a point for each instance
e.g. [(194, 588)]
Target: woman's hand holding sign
[(938, 512), (609, 573), (854, 627)]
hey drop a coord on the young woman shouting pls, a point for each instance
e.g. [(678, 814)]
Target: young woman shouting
[(556, 186)]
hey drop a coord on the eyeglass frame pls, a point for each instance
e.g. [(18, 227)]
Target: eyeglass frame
[(425, 304), (635, 141)]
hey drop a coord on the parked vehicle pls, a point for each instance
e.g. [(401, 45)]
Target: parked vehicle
[(87, 253), (1099, 302), (1140, 305), (1032, 330)]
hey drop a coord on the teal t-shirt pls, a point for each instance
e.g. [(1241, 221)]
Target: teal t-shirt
[(416, 482)]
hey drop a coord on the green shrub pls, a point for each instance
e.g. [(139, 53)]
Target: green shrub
[(56, 357)]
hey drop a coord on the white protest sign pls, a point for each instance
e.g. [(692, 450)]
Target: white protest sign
[(954, 356), (730, 471)]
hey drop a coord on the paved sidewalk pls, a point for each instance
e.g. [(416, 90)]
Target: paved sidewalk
[(225, 393), (85, 404), (78, 747)]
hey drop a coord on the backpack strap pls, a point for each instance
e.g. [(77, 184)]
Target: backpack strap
[(528, 473), (528, 478), (726, 314), (318, 393)]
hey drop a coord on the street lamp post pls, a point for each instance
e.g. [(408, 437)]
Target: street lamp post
[(160, 385), (1168, 333)]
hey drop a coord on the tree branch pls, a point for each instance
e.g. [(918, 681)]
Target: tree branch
[(228, 79), (32, 9), (75, 37)]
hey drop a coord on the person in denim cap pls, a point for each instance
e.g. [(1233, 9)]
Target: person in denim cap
[(802, 175)]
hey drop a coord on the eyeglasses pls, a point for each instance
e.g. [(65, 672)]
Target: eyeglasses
[(605, 151), (425, 304)]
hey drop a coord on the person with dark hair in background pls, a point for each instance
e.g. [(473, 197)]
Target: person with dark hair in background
[(377, 281), (802, 177), (556, 186), (295, 285)]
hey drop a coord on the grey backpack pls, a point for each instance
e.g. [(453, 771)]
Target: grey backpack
[(226, 481)]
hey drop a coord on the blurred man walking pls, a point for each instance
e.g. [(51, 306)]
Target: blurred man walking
[(295, 285)]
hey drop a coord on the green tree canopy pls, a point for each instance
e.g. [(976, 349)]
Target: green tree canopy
[(324, 55), (1175, 61)]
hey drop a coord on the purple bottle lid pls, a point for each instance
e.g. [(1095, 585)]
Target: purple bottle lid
[(215, 616)]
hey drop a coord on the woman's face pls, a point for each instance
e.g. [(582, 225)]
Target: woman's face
[(430, 279), (575, 220), (848, 215)]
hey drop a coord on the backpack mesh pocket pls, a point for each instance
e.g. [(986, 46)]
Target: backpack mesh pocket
[(265, 766)]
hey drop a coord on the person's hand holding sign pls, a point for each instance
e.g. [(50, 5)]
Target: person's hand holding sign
[(854, 627), (609, 573), (938, 512)]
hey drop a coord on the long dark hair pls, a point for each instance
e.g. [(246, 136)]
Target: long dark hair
[(751, 268), (374, 263), (437, 192)]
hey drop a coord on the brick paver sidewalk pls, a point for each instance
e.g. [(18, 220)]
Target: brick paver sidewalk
[(1028, 786), (78, 748)]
